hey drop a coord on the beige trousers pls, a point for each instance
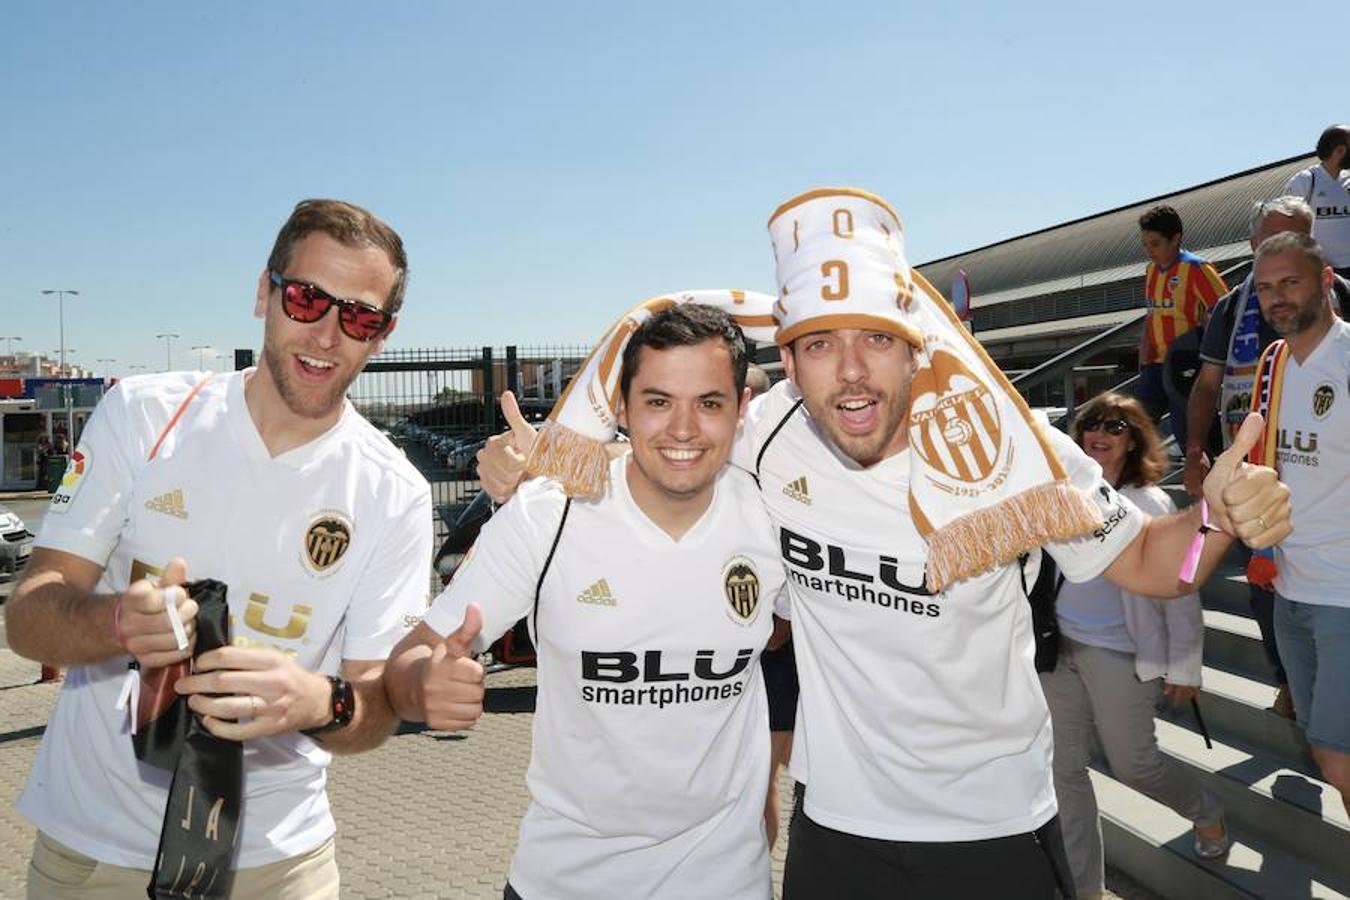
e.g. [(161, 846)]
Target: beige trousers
[(57, 872)]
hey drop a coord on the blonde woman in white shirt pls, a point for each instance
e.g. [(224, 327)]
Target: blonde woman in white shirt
[(1119, 653)]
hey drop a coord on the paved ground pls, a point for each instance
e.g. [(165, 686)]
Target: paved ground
[(425, 816)]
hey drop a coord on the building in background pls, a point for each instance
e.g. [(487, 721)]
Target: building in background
[(1036, 295), (37, 410)]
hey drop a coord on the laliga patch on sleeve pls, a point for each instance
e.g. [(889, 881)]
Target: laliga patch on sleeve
[(81, 461)]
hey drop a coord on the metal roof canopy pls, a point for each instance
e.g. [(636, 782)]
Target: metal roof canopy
[(1214, 215)]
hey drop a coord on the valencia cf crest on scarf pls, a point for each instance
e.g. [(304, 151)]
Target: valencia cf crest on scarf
[(740, 581), (954, 421)]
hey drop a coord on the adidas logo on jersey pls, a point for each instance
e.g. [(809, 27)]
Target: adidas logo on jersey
[(171, 504), (797, 490), (598, 594)]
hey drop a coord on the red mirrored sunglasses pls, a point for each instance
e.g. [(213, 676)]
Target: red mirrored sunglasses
[(306, 303)]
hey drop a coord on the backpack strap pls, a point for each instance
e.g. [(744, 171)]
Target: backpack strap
[(548, 560)]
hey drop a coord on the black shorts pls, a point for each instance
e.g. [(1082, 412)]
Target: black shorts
[(780, 684), (824, 864)]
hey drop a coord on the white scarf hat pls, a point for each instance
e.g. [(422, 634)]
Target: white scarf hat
[(985, 485)]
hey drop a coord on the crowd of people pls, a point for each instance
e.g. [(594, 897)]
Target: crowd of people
[(886, 505)]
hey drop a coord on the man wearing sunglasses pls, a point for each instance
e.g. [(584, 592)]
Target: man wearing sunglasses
[(267, 480)]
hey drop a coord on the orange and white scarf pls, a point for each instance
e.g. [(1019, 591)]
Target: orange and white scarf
[(985, 485), (1266, 400), (570, 447)]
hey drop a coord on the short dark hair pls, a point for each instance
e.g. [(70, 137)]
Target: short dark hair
[(1163, 219), (1335, 136), (1293, 240), (686, 325), (347, 224)]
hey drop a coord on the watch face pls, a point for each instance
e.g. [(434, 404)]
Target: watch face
[(342, 705), (344, 702)]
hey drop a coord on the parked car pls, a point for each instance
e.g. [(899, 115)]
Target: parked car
[(16, 541)]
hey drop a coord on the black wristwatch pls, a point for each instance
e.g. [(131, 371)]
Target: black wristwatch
[(343, 703)]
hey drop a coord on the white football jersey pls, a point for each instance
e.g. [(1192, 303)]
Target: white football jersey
[(921, 717), (1330, 201), (1312, 452), (326, 552), (651, 737)]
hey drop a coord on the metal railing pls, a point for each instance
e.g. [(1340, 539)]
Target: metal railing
[(440, 404), (1062, 366)]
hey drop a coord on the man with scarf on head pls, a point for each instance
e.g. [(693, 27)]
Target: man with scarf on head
[(905, 478), (269, 481)]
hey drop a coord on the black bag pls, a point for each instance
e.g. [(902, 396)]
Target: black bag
[(198, 839), (1041, 594)]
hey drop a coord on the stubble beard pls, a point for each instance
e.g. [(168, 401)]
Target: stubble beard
[(865, 450), (307, 407), (1305, 317)]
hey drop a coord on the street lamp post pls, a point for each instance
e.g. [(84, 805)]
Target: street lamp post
[(168, 338), (201, 350), (107, 365), (9, 343), (65, 388)]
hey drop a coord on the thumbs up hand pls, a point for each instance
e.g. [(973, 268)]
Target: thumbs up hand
[(452, 681), (501, 462), (1249, 502)]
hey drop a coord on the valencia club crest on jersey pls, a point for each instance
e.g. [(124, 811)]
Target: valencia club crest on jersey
[(326, 541), (740, 582)]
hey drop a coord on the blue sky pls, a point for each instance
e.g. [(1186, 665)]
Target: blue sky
[(549, 165)]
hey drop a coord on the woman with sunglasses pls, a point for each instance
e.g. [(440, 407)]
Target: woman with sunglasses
[(1118, 653)]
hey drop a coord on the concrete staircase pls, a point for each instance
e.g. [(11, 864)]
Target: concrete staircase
[(1291, 832)]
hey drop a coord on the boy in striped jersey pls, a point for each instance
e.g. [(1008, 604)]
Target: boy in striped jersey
[(1180, 289)]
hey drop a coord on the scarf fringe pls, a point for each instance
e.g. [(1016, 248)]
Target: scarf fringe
[(579, 463), (996, 535)]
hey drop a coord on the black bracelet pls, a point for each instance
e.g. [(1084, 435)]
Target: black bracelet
[(343, 705)]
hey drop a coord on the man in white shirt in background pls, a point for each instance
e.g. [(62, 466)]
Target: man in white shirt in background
[(1310, 438), (1326, 188)]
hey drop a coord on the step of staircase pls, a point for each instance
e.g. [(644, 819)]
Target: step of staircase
[(1233, 643), (1237, 710), (1152, 845), (1227, 591), (1291, 828), (1290, 810)]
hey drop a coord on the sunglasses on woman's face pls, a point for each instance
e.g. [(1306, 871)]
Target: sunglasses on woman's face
[(306, 303), (1112, 426)]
